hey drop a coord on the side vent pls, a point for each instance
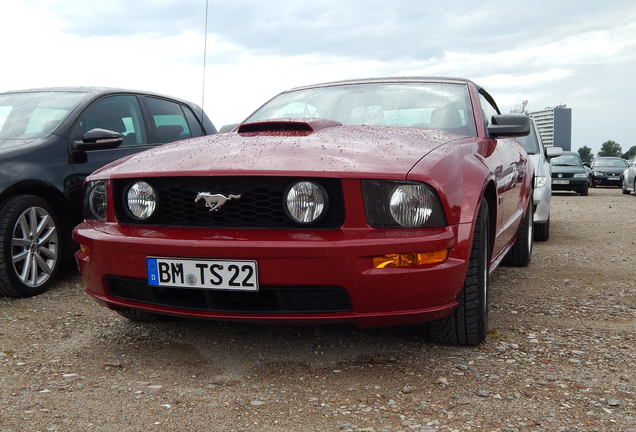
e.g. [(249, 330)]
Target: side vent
[(285, 127)]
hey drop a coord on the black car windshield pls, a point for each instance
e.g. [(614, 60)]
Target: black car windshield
[(566, 160), (34, 114), (421, 105), (610, 163)]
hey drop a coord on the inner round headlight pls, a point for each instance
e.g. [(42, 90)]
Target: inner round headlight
[(305, 202), (411, 205), (141, 200), (97, 200)]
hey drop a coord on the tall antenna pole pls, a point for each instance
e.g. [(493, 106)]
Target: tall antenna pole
[(205, 51)]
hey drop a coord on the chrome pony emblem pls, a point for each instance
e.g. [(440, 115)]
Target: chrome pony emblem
[(214, 201)]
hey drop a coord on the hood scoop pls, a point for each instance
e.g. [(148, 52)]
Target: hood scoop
[(285, 127)]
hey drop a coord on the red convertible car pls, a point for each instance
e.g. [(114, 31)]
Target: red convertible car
[(375, 202)]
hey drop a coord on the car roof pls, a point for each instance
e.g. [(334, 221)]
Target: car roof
[(97, 91), (452, 80)]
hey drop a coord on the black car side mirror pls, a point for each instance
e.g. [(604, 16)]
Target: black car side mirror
[(99, 139), (509, 125)]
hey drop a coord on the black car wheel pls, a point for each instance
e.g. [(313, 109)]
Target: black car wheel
[(468, 324), (30, 246), (542, 231), (584, 191), (624, 187), (520, 254)]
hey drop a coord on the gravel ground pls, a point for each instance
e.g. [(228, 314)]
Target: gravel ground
[(560, 357)]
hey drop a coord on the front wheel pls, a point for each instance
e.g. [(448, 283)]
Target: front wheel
[(468, 324), (584, 190), (624, 187), (520, 254), (542, 231), (30, 246)]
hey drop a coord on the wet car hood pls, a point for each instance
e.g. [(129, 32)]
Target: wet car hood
[(353, 151)]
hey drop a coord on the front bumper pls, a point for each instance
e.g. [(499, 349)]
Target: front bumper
[(601, 179), (573, 184), (289, 260), (541, 197)]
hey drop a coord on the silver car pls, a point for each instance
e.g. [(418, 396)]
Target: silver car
[(628, 179), (540, 157)]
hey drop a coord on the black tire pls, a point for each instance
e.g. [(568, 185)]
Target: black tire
[(37, 255), (593, 184), (468, 324), (542, 231), (520, 254), (584, 191), (623, 188), (141, 316)]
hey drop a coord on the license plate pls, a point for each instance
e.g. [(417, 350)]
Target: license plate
[(206, 274), (560, 181), (613, 178)]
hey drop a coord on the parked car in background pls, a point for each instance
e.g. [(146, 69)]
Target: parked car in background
[(628, 179), (50, 140), (376, 202), (608, 171), (540, 157), (568, 173)]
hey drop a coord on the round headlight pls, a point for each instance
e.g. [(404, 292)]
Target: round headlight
[(305, 202), (411, 205), (97, 200), (141, 200)]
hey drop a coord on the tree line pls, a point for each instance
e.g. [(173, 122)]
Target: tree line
[(608, 148)]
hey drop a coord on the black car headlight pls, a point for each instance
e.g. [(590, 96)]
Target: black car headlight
[(305, 202), (95, 203), (141, 200), (393, 204)]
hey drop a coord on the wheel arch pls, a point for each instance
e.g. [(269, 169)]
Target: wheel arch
[(46, 191)]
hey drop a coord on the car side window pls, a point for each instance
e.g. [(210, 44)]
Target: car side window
[(193, 122), (487, 110), (119, 113), (167, 119)]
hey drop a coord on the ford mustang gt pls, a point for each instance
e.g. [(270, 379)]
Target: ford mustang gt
[(375, 202)]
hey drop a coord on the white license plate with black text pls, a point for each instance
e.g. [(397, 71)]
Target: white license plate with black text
[(207, 274), (560, 181), (613, 178)]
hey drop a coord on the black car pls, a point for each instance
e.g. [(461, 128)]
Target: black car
[(608, 171), (50, 140), (568, 173)]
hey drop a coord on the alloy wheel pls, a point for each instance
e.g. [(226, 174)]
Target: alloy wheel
[(34, 246)]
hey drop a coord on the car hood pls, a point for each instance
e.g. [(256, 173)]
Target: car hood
[(609, 170), (329, 151), (567, 169), (8, 144)]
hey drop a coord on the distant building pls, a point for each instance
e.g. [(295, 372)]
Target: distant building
[(555, 126)]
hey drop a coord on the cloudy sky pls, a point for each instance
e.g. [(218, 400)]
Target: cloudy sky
[(580, 53)]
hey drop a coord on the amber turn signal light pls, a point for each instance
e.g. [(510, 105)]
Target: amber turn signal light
[(410, 259), (84, 249)]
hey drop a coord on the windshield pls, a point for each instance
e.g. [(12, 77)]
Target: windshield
[(530, 142), (610, 163), (566, 160), (420, 105), (34, 115)]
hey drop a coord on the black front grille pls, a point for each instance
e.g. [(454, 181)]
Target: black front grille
[(304, 299), (562, 175), (260, 204)]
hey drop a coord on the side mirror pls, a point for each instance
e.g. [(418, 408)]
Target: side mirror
[(551, 152), (509, 125), (228, 128), (587, 165), (99, 139)]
